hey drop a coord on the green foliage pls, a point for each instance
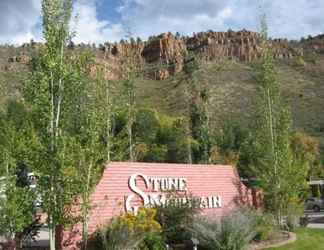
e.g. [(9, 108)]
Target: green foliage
[(66, 119), (158, 137), (306, 150), (17, 142), (146, 125), (197, 101), (265, 226), (130, 73), (153, 242), (88, 142), (128, 231), (231, 136), (173, 135), (146, 128), (49, 93), (177, 220), (17, 209), (231, 232), (229, 141), (294, 212), (282, 176), (74, 128)]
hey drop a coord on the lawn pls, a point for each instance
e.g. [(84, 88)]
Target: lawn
[(307, 239)]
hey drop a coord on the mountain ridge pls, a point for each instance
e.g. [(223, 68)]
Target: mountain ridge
[(171, 51)]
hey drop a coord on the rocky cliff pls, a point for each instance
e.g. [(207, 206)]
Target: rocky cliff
[(165, 55)]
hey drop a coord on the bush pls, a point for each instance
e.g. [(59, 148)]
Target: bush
[(176, 221), (265, 227), (127, 231), (294, 213), (304, 220), (300, 62), (231, 232), (153, 241)]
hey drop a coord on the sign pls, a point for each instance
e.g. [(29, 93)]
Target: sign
[(126, 186), (158, 196)]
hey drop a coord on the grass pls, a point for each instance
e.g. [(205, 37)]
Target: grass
[(307, 239)]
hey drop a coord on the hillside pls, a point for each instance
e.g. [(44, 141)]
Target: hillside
[(226, 67), (232, 92)]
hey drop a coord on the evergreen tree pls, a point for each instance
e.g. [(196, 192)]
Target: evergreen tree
[(197, 101)]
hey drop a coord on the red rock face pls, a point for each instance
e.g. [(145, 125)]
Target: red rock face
[(203, 181), (242, 45), (167, 53), (164, 55)]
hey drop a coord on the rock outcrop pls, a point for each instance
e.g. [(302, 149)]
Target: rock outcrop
[(166, 53), (158, 58), (243, 45), (163, 56)]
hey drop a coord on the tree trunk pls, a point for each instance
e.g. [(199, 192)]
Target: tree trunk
[(108, 121), (130, 132), (86, 208), (52, 233), (189, 149)]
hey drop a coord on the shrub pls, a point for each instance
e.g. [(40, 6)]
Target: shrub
[(231, 232), (127, 231), (304, 220), (300, 62), (176, 221), (265, 226), (294, 213), (153, 241)]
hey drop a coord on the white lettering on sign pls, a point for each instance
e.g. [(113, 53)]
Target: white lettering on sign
[(156, 197)]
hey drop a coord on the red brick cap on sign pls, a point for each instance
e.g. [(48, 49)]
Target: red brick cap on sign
[(108, 197)]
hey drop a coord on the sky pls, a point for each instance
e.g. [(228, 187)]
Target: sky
[(98, 21)]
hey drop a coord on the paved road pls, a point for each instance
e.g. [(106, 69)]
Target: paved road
[(316, 220)]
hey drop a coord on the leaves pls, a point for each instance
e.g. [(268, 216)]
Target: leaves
[(282, 178), (16, 150), (129, 226)]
